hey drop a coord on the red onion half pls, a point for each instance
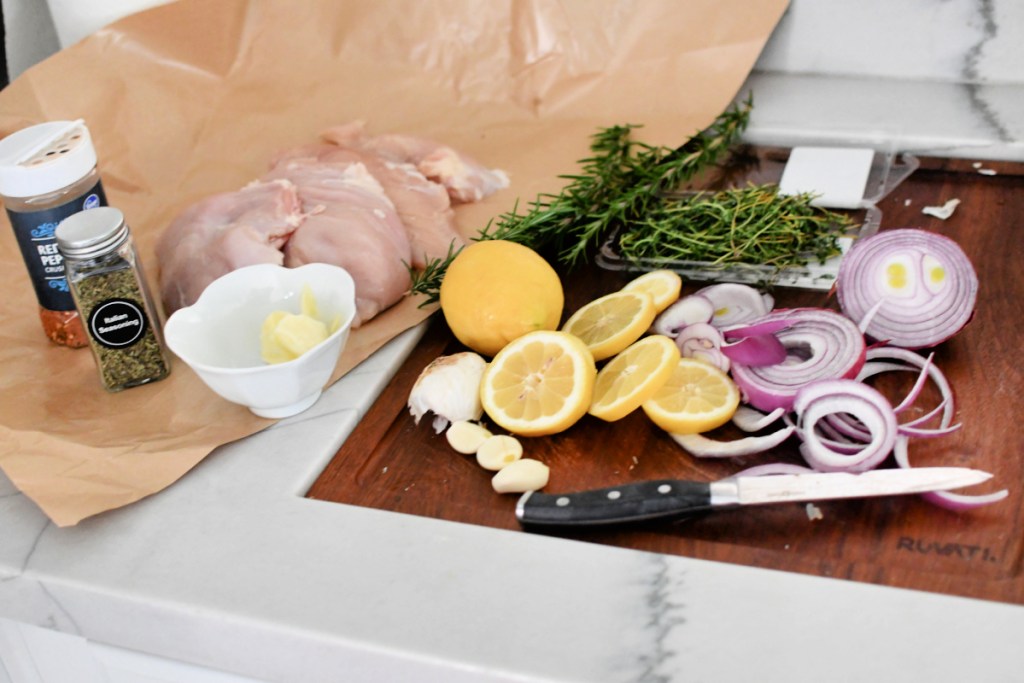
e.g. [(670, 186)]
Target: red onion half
[(913, 288), (820, 344)]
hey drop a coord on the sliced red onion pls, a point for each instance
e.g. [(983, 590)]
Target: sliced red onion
[(772, 468), (875, 365), (703, 341), (759, 328), (703, 447), (762, 349), (734, 303), (820, 345), (844, 396), (957, 502), (921, 283), (691, 309), (751, 420)]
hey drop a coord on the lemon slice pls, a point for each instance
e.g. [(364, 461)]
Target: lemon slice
[(540, 383), (633, 376), (611, 323), (697, 398), (664, 286)]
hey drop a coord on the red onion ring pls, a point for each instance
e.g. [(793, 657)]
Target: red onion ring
[(957, 502), (751, 420), (820, 345), (703, 341), (772, 468), (703, 447), (735, 303), (764, 349), (844, 396), (686, 311), (921, 283), (873, 366)]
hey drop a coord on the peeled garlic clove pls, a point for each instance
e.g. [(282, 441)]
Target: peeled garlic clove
[(521, 476), (449, 387), (498, 452), (465, 436)]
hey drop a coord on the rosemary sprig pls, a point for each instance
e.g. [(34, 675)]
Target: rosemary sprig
[(751, 225), (616, 185)]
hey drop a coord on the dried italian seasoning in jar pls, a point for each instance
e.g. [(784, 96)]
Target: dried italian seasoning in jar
[(110, 292)]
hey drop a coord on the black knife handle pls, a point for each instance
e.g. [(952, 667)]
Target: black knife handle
[(636, 502)]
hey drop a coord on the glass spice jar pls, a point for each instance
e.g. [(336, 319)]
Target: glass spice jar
[(110, 291), (48, 172)]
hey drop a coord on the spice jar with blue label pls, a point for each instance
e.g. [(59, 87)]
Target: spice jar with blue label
[(47, 173), (111, 293)]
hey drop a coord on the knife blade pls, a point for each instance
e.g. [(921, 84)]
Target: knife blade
[(674, 498)]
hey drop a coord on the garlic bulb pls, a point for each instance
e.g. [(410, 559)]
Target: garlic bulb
[(449, 387)]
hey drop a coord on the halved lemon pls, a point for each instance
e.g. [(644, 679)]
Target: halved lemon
[(540, 383), (633, 376), (697, 397), (664, 287), (611, 323)]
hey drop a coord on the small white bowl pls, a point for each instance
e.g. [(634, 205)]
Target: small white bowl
[(219, 335)]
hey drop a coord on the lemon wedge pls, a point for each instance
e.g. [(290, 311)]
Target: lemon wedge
[(633, 376), (540, 383)]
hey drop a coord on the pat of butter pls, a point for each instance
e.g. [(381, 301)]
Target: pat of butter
[(285, 336), (837, 175)]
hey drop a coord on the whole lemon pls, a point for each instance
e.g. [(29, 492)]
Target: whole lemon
[(495, 291)]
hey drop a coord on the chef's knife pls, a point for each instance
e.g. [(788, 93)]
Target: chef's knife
[(673, 498)]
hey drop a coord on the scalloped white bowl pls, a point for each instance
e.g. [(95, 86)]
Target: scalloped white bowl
[(219, 335)]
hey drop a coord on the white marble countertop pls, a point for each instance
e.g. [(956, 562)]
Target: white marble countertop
[(232, 569)]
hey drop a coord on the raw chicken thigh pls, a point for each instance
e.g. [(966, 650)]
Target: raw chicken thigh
[(465, 179), (351, 223), (373, 205), (223, 233), (422, 205)]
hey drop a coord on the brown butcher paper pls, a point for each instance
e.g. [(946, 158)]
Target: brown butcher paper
[(193, 98)]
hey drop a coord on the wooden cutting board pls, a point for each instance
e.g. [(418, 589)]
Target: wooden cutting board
[(393, 464)]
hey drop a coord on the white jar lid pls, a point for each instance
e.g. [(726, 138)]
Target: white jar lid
[(44, 158)]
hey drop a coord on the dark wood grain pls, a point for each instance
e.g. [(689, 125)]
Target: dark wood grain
[(391, 463)]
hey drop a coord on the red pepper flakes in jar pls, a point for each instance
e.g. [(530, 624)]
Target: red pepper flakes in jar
[(47, 173)]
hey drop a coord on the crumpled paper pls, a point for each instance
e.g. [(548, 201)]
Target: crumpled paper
[(195, 97)]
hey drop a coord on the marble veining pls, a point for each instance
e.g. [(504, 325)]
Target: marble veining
[(666, 612), (973, 74)]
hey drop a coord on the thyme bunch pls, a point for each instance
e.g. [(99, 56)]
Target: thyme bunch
[(752, 224), (616, 185)]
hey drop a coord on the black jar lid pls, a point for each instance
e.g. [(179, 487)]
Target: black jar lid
[(92, 232)]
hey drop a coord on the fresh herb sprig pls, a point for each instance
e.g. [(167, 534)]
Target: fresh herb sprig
[(616, 185), (749, 225)]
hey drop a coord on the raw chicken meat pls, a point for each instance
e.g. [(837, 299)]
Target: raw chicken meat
[(351, 223), (372, 205), (422, 205), (465, 179), (222, 233)]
